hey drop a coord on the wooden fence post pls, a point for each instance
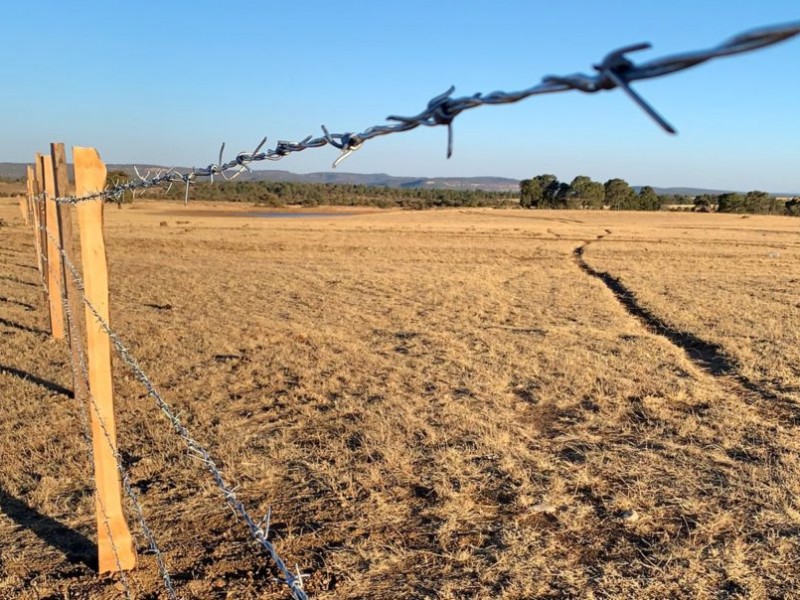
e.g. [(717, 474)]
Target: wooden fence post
[(55, 267), (90, 177), (75, 330), (29, 199), (41, 238), (34, 215), (38, 184), (23, 207)]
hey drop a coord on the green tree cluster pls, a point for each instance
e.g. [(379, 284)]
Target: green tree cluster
[(585, 193), (546, 191), (754, 202), (542, 191)]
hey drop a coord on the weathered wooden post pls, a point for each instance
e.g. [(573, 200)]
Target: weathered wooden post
[(23, 206), (55, 270), (74, 323), (90, 177), (29, 199), (34, 221), (38, 184), (39, 223)]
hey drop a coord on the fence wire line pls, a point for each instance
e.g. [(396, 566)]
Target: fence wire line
[(615, 70), (82, 370), (88, 437), (259, 532)]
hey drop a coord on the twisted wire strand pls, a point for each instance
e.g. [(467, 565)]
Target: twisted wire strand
[(81, 369), (260, 532), (88, 438), (615, 70)]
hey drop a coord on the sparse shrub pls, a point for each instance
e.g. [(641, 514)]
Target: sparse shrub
[(114, 178)]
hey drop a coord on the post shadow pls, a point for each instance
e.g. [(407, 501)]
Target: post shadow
[(24, 305), (21, 327), (18, 281), (48, 385), (17, 249), (21, 266), (76, 547)]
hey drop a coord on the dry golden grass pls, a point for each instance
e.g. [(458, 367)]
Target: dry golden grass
[(732, 280), (436, 405)]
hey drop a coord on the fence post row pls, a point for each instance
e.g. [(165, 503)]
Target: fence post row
[(53, 233)]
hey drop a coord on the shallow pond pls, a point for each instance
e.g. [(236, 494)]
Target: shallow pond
[(292, 215)]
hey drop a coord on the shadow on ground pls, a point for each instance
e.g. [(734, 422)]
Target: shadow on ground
[(76, 547), (48, 385)]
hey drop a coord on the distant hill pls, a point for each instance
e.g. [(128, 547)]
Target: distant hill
[(490, 184), (692, 191), (686, 191), (494, 184)]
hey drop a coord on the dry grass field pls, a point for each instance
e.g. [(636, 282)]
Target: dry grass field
[(445, 404)]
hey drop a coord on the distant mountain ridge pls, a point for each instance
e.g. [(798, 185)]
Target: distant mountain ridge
[(493, 184), (490, 184)]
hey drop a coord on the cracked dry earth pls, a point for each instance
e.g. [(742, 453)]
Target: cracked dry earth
[(444, 404)]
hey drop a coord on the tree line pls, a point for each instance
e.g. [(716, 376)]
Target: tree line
[(546, 191), (282, 193), (755, 202), (542, 191)]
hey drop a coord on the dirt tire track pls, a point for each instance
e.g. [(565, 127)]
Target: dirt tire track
[(708, 356)]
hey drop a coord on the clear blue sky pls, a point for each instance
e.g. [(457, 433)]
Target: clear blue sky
[(167, 82)]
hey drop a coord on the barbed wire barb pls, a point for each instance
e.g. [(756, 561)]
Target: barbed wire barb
[(436, 114), (614, 66), (265, 523)]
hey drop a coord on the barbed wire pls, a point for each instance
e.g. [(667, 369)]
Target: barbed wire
[(88, 438), (123, 579), (260, 532), (616, 70), (81, 370)]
